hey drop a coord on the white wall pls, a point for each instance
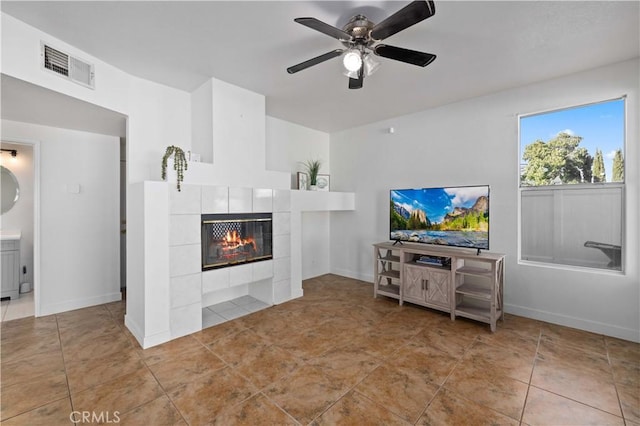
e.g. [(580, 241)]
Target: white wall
[(158, 116), (20, 217), (476, 142), (288, 146), (202, 122), (228, 127), (21, 55), (79, 231), (315, 244)]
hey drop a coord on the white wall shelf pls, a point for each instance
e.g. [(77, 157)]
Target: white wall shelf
[(305, 201)]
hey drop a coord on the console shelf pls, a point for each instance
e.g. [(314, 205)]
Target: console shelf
[(387, 274), (476, 291), (473, 312), (470, 270), (459, 281)]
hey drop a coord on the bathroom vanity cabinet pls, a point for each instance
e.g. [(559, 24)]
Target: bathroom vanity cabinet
[(10, 267)]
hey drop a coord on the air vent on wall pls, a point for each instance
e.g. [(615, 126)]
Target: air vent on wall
[(67, 66)]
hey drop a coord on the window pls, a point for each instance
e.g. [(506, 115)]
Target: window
[(572, 186)]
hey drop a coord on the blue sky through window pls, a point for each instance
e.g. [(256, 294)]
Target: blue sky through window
[(600, 125)]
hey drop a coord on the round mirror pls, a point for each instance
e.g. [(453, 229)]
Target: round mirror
[(10, 189)]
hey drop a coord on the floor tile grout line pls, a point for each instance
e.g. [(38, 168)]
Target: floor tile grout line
[(379, 405), (302, 362), (166, 393), (68, 396), (428, 404), (232, 369), (353, 389), (615, 382), (279, 407), (577, 401), (37, 408), (535, 360), (441, 387), (573, 347), (112, 378), (64, 364)]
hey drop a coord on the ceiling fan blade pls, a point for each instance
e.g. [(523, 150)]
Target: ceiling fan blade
[(404, 55), (315, 61), (356, 83), (409, 15), (327, 29)]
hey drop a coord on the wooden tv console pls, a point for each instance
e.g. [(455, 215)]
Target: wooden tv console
[(466, 284)]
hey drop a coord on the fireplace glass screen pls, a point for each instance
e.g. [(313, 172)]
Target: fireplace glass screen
[(233, 239)]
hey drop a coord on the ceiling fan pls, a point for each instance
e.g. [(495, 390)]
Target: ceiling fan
[(360, 35)]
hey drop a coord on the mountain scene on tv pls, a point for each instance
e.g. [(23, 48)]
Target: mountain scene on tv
[(456, 216)]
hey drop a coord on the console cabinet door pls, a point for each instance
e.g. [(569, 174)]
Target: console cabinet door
[(438, 287), (413, 283)]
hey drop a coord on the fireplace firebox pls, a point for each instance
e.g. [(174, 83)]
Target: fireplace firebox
[(234, 239)]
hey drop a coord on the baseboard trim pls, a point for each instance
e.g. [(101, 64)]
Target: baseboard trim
[(573, 322), (352, 274), (71, 305), (146, 341), (134, 328)]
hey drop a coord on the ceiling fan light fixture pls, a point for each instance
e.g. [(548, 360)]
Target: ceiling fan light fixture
[(350, 74), (370, 64), (352, 60)]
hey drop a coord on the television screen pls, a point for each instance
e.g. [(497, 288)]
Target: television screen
[(452, 216)]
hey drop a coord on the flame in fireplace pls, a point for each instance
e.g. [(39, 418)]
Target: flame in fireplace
[(233, 241), (232, 237)]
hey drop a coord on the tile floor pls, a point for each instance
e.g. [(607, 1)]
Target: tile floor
[(335, 356), (21, 307)]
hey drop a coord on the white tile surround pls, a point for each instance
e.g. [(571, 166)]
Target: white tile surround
[(191, 290), (168, 294)]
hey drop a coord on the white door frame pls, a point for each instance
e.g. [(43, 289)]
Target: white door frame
[(35, 145)]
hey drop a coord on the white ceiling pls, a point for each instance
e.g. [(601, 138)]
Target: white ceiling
[(482, 47)]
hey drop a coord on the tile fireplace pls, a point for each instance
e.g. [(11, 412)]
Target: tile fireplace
[(235, 239)]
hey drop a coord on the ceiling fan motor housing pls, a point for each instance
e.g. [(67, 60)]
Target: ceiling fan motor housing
[(360, 28)]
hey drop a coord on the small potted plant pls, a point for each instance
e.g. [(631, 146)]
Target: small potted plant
[(180, 163), (313, 167)]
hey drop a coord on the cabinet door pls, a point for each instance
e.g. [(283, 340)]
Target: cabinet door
[(438, 287), (10, 270), (412, 286)]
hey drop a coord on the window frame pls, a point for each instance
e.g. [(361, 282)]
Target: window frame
[(622, 185)]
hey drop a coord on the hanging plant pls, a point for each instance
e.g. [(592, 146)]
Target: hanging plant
[(179, 163)]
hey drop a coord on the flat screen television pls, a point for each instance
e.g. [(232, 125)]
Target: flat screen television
[(455, 216)]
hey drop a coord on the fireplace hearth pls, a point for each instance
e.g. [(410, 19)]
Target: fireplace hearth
[(235, 239)]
